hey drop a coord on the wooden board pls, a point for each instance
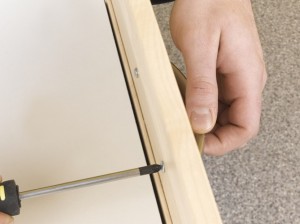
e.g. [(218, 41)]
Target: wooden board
[(186, 191), (66, 115)]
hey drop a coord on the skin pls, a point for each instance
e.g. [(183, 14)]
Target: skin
[(5, 219), (225, 70)]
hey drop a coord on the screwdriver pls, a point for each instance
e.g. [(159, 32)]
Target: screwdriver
[(10, 197)]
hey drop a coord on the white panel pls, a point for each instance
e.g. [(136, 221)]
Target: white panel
[(65, 114)]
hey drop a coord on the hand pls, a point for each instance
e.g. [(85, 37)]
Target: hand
[(5, 219), (225, 70)]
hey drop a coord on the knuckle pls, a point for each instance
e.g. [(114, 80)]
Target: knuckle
[(201, 92), (261, 70), (252, 131), (203, 87)]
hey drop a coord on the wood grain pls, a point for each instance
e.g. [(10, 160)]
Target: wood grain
[(137, 106), (185, 185)]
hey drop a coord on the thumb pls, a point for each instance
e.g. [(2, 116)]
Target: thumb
[(202, 89), (201, 102), (196, 33)]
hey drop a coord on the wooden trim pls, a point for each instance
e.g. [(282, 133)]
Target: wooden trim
[(185, 186), (135, 99)]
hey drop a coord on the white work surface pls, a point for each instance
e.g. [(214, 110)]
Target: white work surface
[(65, 114)]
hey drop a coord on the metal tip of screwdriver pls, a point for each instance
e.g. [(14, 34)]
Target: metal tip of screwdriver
[(150, 169)]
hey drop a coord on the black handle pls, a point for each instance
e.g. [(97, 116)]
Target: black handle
[(9, 198)]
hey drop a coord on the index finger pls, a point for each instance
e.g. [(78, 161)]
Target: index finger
[(242, 123), (5, 219)]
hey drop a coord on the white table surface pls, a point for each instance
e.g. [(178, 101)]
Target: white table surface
[(65, 114)]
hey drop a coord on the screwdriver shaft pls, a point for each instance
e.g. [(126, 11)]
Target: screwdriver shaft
[(91, 181)]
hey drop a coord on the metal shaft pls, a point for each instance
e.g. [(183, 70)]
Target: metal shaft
[(91, 181)]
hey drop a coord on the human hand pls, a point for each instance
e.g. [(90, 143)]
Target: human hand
[(5, 219), (225, 70)]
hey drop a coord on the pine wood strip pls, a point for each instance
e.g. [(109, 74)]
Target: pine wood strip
[(185, 184), (135, 99)]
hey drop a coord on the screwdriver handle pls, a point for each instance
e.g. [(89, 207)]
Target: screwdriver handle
[(9, 198)]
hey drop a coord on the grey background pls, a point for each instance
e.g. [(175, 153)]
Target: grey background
[(260, 183)]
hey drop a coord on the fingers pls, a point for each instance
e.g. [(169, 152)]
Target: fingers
[(5, 219), (236, 125), (225, 69)]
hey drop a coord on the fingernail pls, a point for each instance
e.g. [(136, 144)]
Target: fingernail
[(201, 120)]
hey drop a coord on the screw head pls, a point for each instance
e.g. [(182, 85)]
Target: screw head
[(163, 170), (136, 72)]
